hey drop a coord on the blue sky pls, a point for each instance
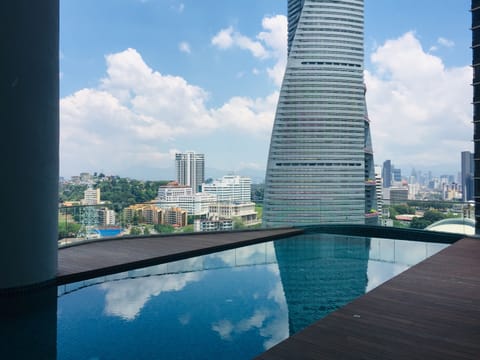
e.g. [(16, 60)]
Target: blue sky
[(141, 79)]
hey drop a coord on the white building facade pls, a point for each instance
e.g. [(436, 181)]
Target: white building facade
[(91, 197), (230, 188), (213, 225), (244, 212), (178, 196)]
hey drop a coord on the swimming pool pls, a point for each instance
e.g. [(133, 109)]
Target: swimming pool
[(233, 304), (109, 232)]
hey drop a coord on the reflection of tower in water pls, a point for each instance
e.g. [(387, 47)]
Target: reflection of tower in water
[(320, 273)]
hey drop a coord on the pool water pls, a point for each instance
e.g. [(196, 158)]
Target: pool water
[(109, 232), (233, 304)]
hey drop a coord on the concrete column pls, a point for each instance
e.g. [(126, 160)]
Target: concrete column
[(29, 132)]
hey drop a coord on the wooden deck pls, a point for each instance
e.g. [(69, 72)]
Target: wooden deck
[(431, 311), (93, 259)]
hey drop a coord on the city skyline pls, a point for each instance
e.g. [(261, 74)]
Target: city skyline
[(128, 104)]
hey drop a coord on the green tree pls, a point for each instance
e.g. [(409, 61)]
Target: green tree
[(433, 216), (120, 192), (429, 217), (188, 228), (238, 224), (399, 224), (404, 209), (259, 210), (135, 230), (419, 223), (164, 229), (393, 212), (67, 229)]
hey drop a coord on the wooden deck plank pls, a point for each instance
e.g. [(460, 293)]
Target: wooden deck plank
[(92, 259), (431, 311)]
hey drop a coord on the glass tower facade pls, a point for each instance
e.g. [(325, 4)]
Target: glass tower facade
[(320, 164)]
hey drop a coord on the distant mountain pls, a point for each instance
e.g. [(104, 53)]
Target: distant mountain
[(148, 173), (156, 174)]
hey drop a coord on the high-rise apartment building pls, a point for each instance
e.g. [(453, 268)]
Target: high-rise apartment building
[(467, 175), (190, 169), (476, 106), (378, 188), (320, 163), (387, 173)]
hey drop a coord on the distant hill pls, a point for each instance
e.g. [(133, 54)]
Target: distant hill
[(120, 192)]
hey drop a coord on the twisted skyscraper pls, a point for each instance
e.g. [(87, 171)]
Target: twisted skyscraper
[(320, 166)]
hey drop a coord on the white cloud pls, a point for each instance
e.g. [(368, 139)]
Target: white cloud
[(277, 329), (126, 298), (268, 44), (185, 319), (271, 323), (441, 41), (250, 165), (227, 38), (184, 47), (445, 42), (223, 39), (224, 328), (248, 255), (177, 7), (255, 321), (136, 116), (420, 109), (250, 115), (275, 38)]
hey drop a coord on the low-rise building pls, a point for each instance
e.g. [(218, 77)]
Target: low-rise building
[(398, 195), (230, 188), (243, 211), (213, 224), (176, 217), (180, 196), (106, 217), (143, 214)]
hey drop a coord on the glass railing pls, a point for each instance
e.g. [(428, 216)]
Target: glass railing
[(80, 223)]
